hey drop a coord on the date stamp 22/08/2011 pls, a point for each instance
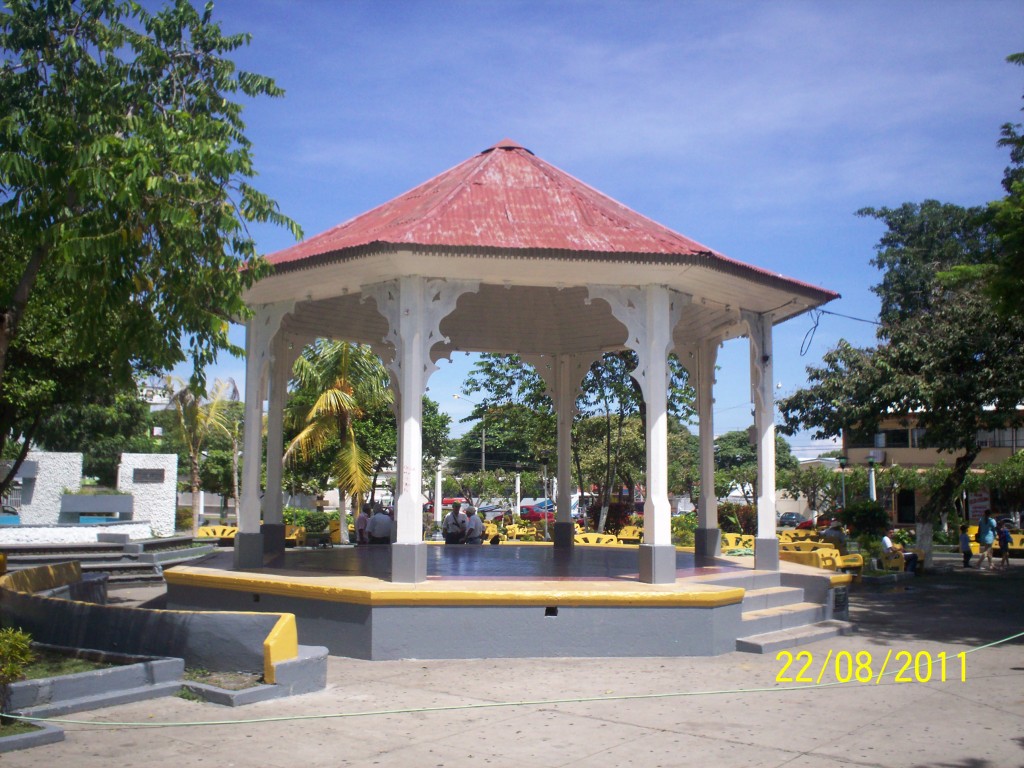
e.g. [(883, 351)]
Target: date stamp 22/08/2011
[(864, 667)]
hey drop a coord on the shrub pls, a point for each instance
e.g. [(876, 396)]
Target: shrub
[(294, 515), (683, 527), (904, 537), (15, 654), (316, 522), (865, 517), (617, 519), (737, 518), (183, 519), (946, 537)]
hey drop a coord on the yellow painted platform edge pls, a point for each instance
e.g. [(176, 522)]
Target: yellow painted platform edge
[(839, 579), (259, 583)]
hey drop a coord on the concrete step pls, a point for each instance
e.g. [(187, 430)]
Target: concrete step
[(773, 642), (780, 617), (771, 597), (127, 572), (746, 579)]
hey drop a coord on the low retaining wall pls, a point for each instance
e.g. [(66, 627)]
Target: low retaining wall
[(70, 534), (215, 640), (131, 672)]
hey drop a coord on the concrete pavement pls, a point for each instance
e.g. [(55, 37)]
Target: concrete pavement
[(727, 710)]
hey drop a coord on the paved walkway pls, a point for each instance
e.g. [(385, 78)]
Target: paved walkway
[(724, 711)]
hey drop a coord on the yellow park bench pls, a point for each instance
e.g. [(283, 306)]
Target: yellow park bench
[(631, 534), (225, 534), (604, 539)]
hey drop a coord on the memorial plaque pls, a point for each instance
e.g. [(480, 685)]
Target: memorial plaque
[(147, 476)]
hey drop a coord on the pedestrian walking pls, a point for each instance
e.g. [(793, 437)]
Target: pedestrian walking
[(985, 537)]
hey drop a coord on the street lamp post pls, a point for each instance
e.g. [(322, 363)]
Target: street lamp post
[(544, 467), (871, 479)]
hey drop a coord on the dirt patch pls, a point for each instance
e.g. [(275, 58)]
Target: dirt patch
[(229, 681)]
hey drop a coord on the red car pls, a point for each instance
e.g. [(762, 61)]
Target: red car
[(823, 521)]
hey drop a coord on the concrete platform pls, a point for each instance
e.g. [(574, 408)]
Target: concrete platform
[(505, 601)]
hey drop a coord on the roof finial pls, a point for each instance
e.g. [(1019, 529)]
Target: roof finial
[(506, 144)]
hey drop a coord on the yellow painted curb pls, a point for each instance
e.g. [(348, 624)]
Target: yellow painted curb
[(281, 644), (412, 596)]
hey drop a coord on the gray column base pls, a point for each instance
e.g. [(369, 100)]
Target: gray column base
[(707, 545), (657, 564), (564, 534), (766, 554), (273, 539), (248, 550), (408, 563)]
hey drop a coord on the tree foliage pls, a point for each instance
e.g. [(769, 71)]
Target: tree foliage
[(199, 415), (335, 384), (124, 193), (1003, 276), (608, 449), (736, 463), (945, 360), (101, 429)]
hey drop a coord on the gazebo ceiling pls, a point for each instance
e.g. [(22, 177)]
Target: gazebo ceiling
[(534, 237)]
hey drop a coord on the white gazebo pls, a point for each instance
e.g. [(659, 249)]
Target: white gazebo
[(506, 253)]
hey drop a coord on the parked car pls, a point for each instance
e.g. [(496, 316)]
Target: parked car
[(493, 511), (535, 515), (790, 519)]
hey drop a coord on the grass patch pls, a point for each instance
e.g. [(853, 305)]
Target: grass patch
[(188, 695), (16, 727), (52, 664)]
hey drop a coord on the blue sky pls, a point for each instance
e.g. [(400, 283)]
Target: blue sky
[(755, 128)]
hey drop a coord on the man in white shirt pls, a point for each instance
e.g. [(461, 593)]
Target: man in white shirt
[(379, 528), (474, 525), (454, 526)]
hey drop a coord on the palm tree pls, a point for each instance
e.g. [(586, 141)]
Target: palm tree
[(200, 414), (345, 380)]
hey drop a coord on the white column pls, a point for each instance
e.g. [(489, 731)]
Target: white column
[(259, 333), (766, 552), (700, 361), (438, 497), (414, 307), (563, 375), (650, 314), (285, 352)]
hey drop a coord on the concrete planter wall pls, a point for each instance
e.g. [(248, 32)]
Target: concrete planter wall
[(79, 508)]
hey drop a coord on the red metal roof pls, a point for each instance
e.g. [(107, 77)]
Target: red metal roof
[(504, 197), (508, 198)]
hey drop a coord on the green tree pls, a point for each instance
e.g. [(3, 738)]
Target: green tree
[(218, 474), (101, 430), (377, 434), (819, 484), (604, 449), (945, 359), (199, 416), (343, 381), (1003, 276), (736, 463), (124, 188)]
